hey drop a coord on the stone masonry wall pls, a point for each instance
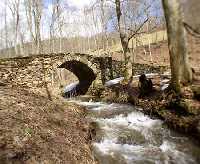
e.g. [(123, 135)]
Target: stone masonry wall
[(138, 69), (38, 72)]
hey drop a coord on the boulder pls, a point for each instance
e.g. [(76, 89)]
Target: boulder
[(145, 86), (196, 91)]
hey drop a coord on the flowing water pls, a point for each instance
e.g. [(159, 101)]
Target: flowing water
[(124, 135)]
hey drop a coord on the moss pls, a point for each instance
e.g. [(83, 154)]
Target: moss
[(196, 91), (180, 107)]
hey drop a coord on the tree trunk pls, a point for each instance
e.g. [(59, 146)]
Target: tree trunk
[(133, 57), (123, 38), (186, 71), (176, 42), (60, 43), (45, 81), (5, 21)]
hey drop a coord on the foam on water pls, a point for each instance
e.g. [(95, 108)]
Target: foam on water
[(166, 146), (91, 104), (112, 127), (166, 153), (131, 153), (112, 106), (108, 146), (116, 132), (169, 149), (132, 120)]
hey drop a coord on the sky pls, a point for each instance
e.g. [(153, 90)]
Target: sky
[(80, 3), (75, 3), (70, 6), (75, 20), (73, 14)]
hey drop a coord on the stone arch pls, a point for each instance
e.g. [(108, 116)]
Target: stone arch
[(83, 72)]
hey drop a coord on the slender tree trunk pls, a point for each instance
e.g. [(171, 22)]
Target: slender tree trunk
[(45, 81), (21, 44), (88, 40), (60, 43), (123, 39), (5, 19), (133, 54)]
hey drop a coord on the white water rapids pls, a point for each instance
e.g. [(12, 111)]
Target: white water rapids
[(127, 136)]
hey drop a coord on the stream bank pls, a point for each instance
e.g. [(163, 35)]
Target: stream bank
[(179, 113), (34, 130)]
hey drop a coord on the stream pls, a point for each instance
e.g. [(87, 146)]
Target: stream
[(124, 135)]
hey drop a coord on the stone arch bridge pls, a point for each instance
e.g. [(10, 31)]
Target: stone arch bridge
[(39, 71), (36, 71)]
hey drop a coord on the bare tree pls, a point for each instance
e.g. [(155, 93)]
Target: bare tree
[(5, 21), (52, 27), (96, 27), (37, 14), (61, 23), (177, 44), (56, 24), (34, 14), (105, 18), (126, 34), (14, 8), (28, 9)]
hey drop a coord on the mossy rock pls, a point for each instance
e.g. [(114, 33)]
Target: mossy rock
[(96, 90), (133, 100), (131, 137), (196, 91), (180, 107), (163, 112)]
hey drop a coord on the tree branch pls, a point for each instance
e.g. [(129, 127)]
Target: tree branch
[(136, 32), (191, 30)]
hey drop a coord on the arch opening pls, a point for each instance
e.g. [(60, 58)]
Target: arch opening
[(84, 74)]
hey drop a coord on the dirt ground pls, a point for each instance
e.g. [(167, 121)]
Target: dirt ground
[(35, 130)]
